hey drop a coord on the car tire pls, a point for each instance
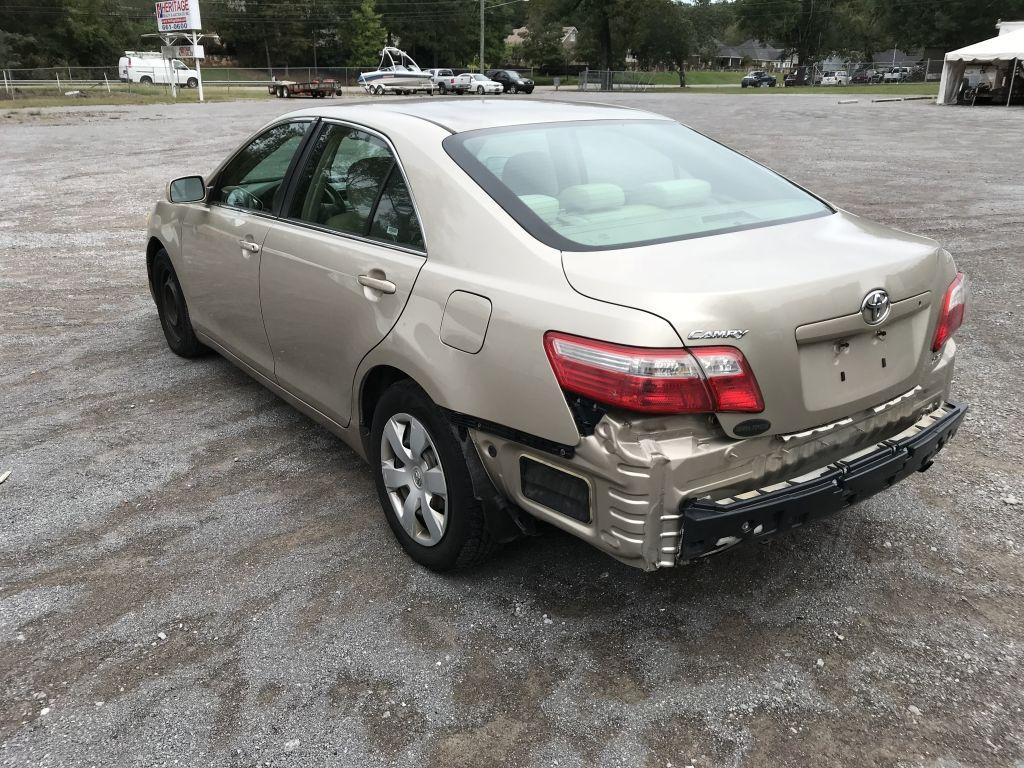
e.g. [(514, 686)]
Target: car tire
[(145, 80), (743, 85), (192, 82), (479, 90), (173, 310), (443, 89), (513, 89), (285, 92), (441, 533)]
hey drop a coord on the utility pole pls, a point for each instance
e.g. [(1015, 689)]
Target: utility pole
[(481, 61)]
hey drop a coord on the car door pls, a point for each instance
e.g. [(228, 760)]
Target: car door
[(339, 265), (222, 239)]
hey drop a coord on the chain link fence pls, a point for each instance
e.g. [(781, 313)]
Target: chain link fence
[(59, 81), (615, 80)]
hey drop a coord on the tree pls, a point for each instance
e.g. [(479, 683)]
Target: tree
[(542, 46), (366, 35), (804, 27), (663, 35), (946, 25)]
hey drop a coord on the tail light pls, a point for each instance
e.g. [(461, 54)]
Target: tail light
[(675, 380), (951, 317)]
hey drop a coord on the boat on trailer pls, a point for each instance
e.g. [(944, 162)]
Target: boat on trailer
[(397, 73)]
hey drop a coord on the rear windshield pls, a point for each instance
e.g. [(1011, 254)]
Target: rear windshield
[(605, 184)]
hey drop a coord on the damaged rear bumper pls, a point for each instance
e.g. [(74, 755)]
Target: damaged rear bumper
[(712, 525), (647, 490)]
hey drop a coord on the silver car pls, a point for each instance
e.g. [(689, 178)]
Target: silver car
[(589, 316)]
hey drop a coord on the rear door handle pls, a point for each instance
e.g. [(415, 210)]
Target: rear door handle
[(377, 284), (250, 246)]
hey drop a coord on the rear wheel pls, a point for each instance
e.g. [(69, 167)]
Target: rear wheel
[(145, 80), (479, 90), (442, 88), (514, 88), (173, 310), (423, 482), (285, 92)]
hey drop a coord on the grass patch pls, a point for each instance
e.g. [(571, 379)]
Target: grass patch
[(908, 89), (37, 97)]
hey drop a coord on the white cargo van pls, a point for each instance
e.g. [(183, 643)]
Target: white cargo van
[(149, 67)]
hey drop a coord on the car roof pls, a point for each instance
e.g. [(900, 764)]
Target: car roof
[(457, 116)]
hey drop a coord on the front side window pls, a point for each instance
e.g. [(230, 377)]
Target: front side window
[(352, 184), (254, 178), (616, 183)]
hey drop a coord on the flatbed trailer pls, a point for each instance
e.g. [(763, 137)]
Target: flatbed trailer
[(315, 89)]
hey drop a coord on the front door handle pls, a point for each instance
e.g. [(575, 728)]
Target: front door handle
[(377, 284), (250, 246)]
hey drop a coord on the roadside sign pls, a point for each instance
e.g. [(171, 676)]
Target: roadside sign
[(177, 15), (183, 52)]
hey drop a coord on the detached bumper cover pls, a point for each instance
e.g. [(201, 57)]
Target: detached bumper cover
[(711, 525)]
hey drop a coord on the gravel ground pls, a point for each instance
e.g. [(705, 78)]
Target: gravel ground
[(193, 573)]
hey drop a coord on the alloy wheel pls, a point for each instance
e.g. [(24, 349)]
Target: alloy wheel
[(414, 479)]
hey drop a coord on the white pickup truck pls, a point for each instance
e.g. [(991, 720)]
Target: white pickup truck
[(151, 68), (444, 79), (896, 75)]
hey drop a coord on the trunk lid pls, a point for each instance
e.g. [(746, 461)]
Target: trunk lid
[(796, 290)]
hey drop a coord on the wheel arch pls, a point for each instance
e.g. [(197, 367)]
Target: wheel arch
[(374, 384), (152, 248)]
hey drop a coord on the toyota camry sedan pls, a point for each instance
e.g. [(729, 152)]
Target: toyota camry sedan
[(588, 316)]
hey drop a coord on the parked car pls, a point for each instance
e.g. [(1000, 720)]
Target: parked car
[(863, 76), (444, 79), (837, 77), (758, 78), (151, 68), (511, 81), (563, 358), (475, 82), (801, 76), (896, 75)]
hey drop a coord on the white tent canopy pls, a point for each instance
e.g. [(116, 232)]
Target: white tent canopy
[(1006, 47)]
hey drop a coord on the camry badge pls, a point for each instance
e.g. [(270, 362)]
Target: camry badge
[(875, 307), (734, 333)]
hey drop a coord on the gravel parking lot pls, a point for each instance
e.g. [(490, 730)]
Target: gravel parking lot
[(191, 573)]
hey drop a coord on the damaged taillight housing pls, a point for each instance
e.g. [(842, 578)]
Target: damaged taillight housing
[(951, 315), (649, 380)]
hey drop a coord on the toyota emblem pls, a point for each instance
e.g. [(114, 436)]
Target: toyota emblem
[(875, 307)]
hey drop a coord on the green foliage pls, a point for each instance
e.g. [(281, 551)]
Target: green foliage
[(366, 35), (446, 32), (543, 46)]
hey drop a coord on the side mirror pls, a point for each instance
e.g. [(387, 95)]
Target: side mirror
[(187, 189)]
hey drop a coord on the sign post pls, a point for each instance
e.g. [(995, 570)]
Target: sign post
[(175, 20)]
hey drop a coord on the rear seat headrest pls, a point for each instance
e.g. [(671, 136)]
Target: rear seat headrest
[(586, 198), (672, 194), (544, 206)]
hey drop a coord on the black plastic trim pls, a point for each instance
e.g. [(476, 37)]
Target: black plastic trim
[(705, 522), (510, 433)]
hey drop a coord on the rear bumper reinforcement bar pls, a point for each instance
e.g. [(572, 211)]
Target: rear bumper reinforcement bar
[(712, 525)]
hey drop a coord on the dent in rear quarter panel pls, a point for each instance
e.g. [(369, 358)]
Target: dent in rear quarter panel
[(474, 246)]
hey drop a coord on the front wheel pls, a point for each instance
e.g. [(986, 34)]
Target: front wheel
[(173, 311), (423, 482), (192, 83)]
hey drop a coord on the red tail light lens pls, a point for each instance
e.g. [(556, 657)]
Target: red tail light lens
[(951, 316), (701, 380)]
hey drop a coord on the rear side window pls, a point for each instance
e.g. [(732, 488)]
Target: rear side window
[(253, 178), (352, 184), (605, 184)]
